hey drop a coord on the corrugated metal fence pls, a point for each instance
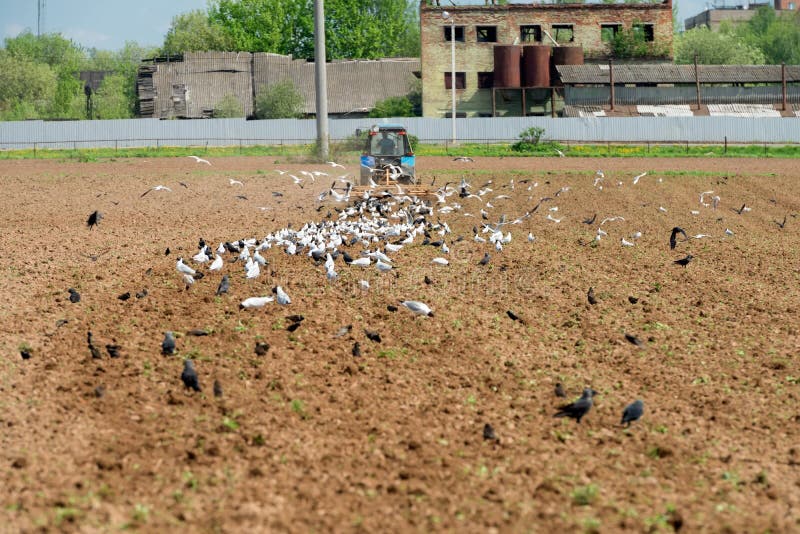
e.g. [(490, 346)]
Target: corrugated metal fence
[(239, 132)]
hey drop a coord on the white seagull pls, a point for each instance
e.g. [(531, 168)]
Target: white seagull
[(199, 160), (255, 302), (183, 268), (418, 308), (216, 265), (156, 188), (283, 298)]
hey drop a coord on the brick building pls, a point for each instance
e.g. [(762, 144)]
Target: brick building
[(736, 14), (479, 29)]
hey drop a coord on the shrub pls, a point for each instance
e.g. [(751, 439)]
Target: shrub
[(228, 108), (394, 106), (279, 101)]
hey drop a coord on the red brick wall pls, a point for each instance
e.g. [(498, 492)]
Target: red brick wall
[(473, 57)]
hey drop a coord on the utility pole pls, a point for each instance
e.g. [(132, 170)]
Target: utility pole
[(42, 5), (321, 81)]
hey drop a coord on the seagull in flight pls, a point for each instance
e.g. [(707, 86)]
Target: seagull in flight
[(637, 178), (156, 188), (199, 160), (235, 182)]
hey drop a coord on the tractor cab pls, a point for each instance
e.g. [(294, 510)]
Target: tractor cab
[(388, 156)]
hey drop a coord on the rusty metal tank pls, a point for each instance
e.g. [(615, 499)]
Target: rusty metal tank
[(506, 65), (565, 55), (536, 66)]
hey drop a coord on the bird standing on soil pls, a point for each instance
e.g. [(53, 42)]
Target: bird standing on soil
[(579, 408), (488, 433), (74, 296), (633, 412), (183, 268), (590, 296), (683, 262), (168, 345), (560, 391), (281, 295), (189, 376), (418, 308), (224, 285), (217, 389)]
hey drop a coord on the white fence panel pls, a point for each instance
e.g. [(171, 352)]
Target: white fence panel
[(233, 132)]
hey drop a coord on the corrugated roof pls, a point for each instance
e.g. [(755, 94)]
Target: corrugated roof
[(192, 87), (666, 73)]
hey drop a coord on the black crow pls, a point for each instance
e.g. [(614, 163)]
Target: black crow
[(633, 412), (488, 432), (635, 340), (486, 259), (94, 219), (224, 285), (217, 388), (168, 345), (684, 261), (579, 408), (590, 296), (74, 296), (189, 376), (261, 348), (673, 237), (560, 391)]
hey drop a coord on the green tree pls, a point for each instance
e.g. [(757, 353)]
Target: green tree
[(259, 25), (715, 48), (26, 87), (778, 36), (281, 100), (228, 107), (195, 32), (394, 106), (361, 29), (111, 101), (632, 43)]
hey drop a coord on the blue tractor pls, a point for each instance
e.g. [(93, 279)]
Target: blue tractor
[(388, 156)]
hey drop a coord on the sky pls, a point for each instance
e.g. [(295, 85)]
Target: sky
[(108, 24)]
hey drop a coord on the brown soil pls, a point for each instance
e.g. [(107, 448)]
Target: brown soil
[(311, 438)]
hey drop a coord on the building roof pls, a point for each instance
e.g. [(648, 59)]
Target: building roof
[(194, 85), (667, 73)]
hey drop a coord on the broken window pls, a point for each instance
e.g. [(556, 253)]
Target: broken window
[(459, 33), (461, 80), (530, 34), (608, 31), (485, 80), (563, 33), (645, 30), (486, 34)]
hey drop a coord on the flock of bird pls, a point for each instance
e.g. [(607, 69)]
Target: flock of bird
[(371, 229)]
